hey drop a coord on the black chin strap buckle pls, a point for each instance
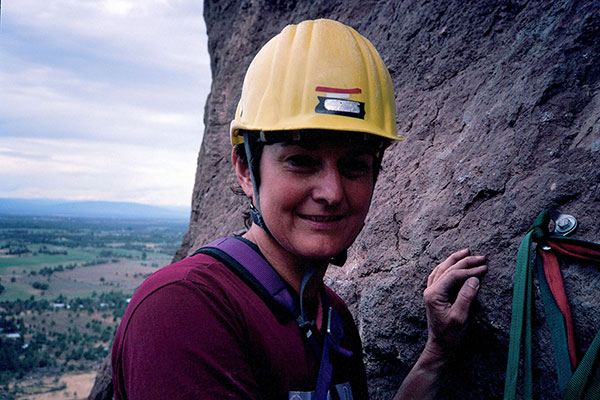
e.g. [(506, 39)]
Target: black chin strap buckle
[(257, 217), (339, 259)]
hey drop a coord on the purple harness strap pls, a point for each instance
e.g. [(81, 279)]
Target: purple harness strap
[(253, 262), (259, 268)]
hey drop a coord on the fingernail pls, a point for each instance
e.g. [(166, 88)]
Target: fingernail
[(473, 282)]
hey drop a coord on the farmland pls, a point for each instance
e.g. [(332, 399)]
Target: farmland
[(64, 284)]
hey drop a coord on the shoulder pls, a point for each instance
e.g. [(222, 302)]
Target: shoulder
[(184, 316), (198, 272), (197, 281), (179, 294), (195, 268), (175, 283)]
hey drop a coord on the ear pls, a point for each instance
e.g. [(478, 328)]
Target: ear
[(242, 171)]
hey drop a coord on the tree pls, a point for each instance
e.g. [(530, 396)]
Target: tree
[(40, 285)]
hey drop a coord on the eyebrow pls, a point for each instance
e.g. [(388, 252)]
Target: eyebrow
[(361, 151), (305, 145), (355, 151)]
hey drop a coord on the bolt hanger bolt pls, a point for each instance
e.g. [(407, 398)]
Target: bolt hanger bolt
[(564, 223)]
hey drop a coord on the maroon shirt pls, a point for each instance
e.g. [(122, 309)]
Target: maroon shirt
[(194, 329)]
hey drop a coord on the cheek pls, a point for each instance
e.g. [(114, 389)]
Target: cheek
[(281, 195), (360, 196), (290, 196)]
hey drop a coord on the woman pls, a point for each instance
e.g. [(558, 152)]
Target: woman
[(316, 114)]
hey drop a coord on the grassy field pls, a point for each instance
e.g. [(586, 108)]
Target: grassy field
[(72, 386), (124, 276), (28, 262), (64, 283), (80, 256)]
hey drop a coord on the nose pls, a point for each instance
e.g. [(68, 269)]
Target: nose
[(328, 186)]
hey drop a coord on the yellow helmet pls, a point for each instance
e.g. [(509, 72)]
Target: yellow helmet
[(318, 74)]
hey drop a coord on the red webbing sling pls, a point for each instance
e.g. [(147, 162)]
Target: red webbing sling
[(555, 282), (577, 379)]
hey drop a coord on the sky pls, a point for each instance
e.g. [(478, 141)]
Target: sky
[(102, 99)]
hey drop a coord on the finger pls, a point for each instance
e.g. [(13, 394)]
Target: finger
[(468, 262), (464, 299), (453, 259), (456, 277), (447, 263)]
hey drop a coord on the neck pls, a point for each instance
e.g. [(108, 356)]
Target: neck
[(289, 266)]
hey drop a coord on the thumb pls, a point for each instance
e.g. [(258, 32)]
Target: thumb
[(466, 295)]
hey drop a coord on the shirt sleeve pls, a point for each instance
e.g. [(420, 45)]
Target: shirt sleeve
[(184, 341)]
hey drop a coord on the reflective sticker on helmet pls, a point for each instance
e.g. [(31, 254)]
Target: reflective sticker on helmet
[(347, 108), (336, 101)]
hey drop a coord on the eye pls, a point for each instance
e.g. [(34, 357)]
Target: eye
[(356, 167), (301, 161)]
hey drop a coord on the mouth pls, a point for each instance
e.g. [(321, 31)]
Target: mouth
[(319, 218)]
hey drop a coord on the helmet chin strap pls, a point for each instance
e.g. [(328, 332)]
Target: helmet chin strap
[(255, 212), (257, 218), (339, 259)]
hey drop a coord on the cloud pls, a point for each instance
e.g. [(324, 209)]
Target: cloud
[(73, 169), (102, 78)]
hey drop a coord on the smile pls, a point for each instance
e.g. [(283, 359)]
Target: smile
[(314, 218)]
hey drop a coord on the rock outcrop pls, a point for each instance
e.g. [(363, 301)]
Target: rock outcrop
[(499, 104)]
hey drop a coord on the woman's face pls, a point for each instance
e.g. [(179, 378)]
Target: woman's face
[(314, 198)]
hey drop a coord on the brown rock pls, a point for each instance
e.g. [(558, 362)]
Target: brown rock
[(103, 388), (499, 102)]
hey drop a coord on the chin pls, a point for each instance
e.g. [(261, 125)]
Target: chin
[(320, 253)]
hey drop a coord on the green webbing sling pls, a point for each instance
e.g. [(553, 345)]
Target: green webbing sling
[(521, 313), (584, 383)]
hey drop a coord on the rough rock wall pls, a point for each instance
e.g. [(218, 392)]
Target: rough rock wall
[(499, 104)]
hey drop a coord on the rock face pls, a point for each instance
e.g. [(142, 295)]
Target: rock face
[(499, 104), (103, 388)]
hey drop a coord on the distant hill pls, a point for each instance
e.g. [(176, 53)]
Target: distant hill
[(90, 209)]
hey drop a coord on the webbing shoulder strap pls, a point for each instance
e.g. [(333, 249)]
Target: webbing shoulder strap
[(256, 272)]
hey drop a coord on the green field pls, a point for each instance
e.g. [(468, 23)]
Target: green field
[(64, 284), (53, 252), (28, 262)]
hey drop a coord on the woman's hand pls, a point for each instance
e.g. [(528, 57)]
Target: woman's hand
[(452, 287)]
